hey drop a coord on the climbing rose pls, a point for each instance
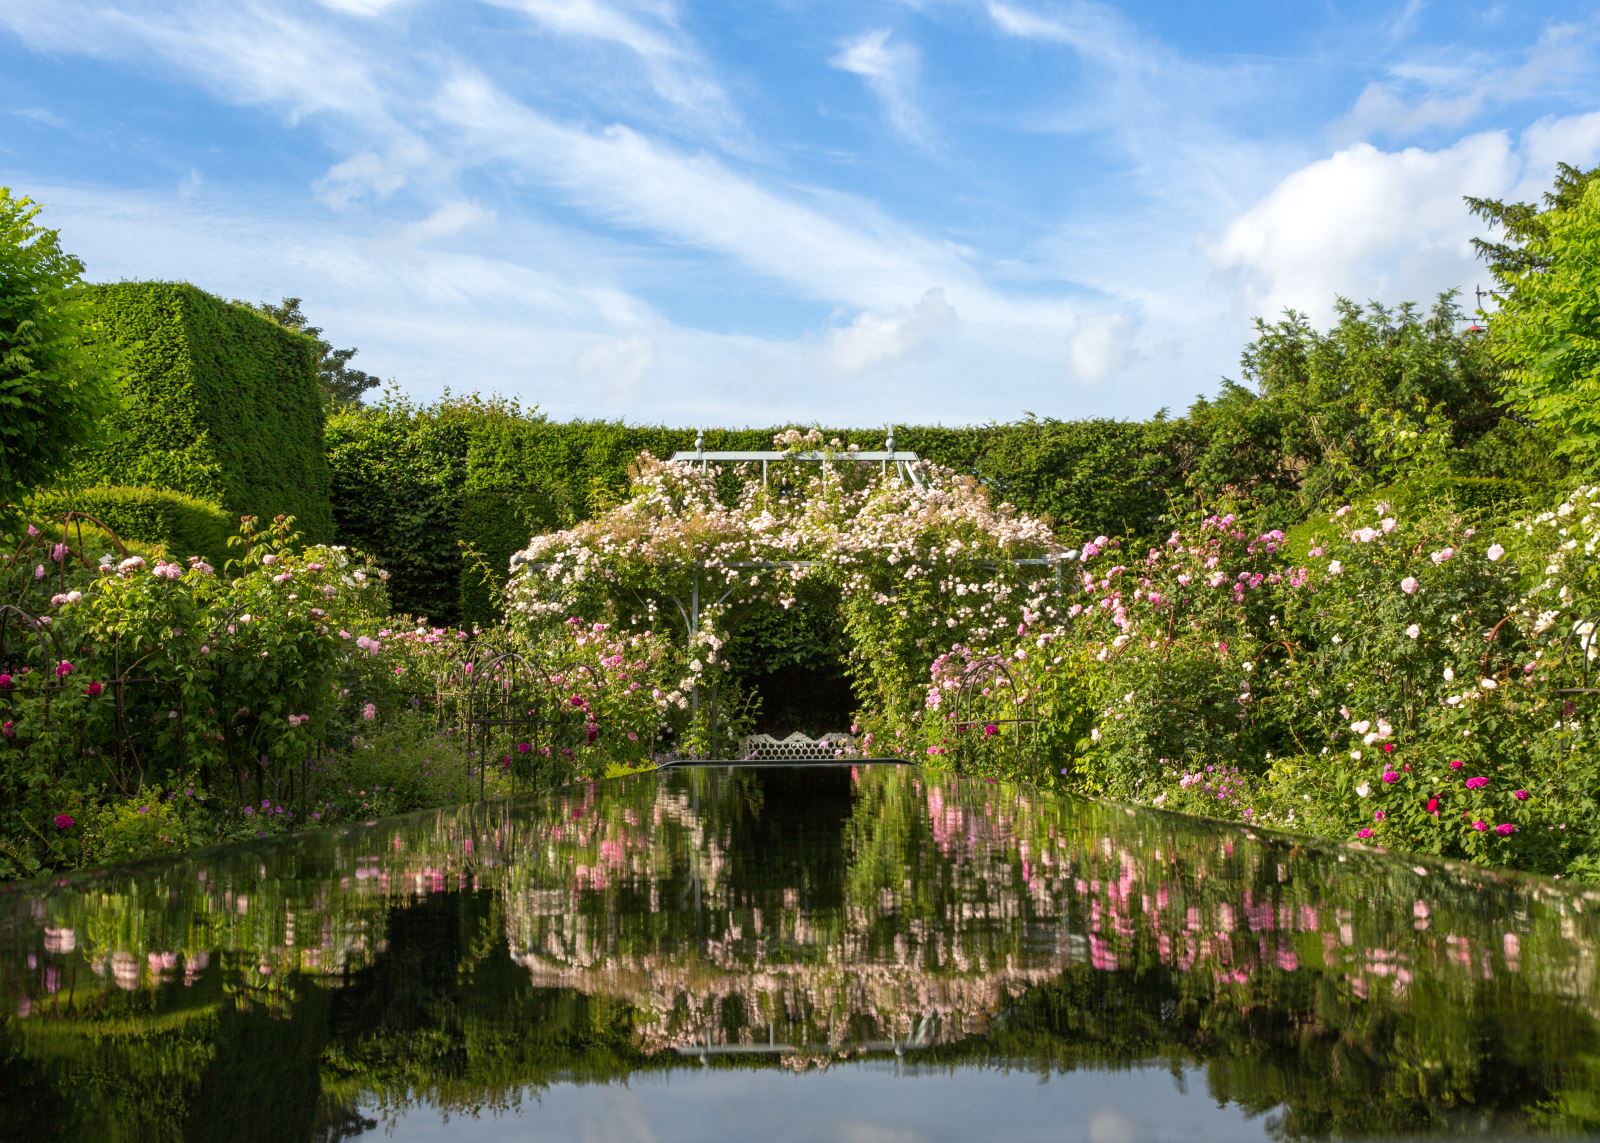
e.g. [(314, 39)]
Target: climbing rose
[(63, 669), (94, 689)]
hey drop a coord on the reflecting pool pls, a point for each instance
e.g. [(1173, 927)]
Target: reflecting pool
[(825, 952)]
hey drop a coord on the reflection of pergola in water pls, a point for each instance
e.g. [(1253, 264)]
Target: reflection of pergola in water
[(830, 1007)]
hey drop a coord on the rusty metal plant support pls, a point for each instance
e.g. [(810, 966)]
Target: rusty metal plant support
[(979, 679)]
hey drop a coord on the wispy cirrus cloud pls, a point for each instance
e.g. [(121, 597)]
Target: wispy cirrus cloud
[(892, 70), (1449, 88), (245, 52), (649, 31)]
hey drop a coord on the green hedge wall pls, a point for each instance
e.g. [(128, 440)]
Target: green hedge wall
[(183, 525), (412, 485), (219, 403)]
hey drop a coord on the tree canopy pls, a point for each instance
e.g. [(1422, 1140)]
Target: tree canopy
[(53, 382), (1547, 332), (342, 384)]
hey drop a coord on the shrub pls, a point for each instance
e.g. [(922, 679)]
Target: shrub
[(179, 524)]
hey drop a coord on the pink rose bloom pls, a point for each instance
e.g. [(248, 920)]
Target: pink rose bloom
[(1477, 783), (369, 712), (63, 669), (1505, 829), (1390, 776), (64, 821), (1520, 795), (1409, 585), (1363, 832), (1456, 763), (1480, 826)]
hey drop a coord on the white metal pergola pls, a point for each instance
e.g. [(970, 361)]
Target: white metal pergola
[(904, 463)]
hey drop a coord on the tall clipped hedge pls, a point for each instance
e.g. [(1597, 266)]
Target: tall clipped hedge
[(413, 485), (220, 403), (183, 525)]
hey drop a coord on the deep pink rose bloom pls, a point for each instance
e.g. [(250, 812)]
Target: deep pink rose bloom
[(94, 689), (1505, 829), (1477, 783), (1521, 795), (64, 821), (63, 669)]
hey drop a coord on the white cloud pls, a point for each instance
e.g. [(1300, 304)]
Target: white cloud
[(1450, 88), (1100, 346), (1387, 225), (881, 337), (450, 219), (244, 51), (648, 29), (891, 71), (1161, 109), (619, 364), (628, 179), (361, 7), (369, 175)]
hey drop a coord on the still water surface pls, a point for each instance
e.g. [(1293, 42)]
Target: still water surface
[(865, 953)]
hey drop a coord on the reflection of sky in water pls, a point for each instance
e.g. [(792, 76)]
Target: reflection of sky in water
[(858, 1103)]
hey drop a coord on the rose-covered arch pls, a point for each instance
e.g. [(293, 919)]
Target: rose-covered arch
[(919, 557)]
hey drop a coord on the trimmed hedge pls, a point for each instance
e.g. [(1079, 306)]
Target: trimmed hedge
[(220, 403), (182, 525)]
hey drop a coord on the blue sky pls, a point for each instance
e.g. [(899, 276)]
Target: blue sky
[(763, 211)]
